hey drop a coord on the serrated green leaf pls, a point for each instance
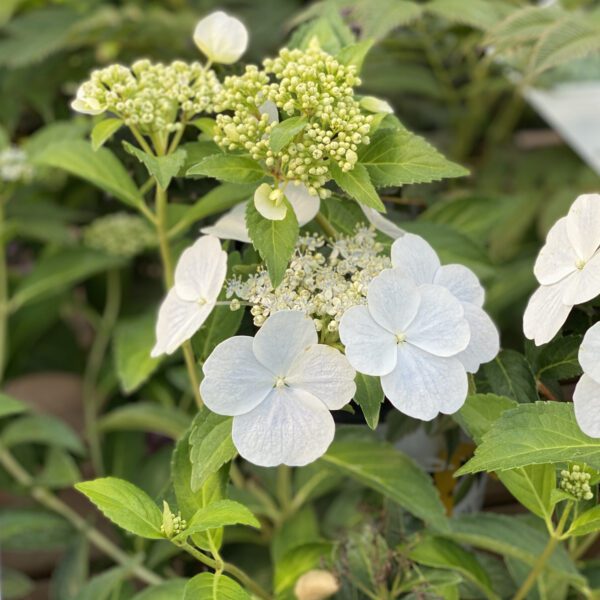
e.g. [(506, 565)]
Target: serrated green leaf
[(395, 158), (355, 54), (162, 168), (146, 416), (390, 472), (100, 167), (133, 340), (480, 411), (540, 433), (104, 130), (274, 240), (283, 133), (357, 185), (510, 375), (229, 168), (11, 406), (124, 504), (211, 446), (585, 523), (369, 396), (209, 586)]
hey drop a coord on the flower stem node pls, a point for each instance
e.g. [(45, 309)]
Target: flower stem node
[(576, 482)]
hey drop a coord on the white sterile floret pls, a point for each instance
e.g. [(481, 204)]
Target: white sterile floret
[(199, 277), (279, 388), (231, 226), (418, 260), (568, 269), (376, 105), (410, 336), (587, 392), (222, 38), (86, 103)]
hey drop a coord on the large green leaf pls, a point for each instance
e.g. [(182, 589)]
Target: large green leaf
[(509, 374), (33, 529), (162, 168), (283, 133), (387, 470), (357, 184), (125, 505), (480, 411), (209, 586), (230, 168), (100, 167), (133, 341), (11, 406), (104, 130), (274, 240), (540, 433), (211, 446), (396, 158)]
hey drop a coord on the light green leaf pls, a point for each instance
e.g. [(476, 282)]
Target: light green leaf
[(390, 472), (229, 168), (532, 486), (60, 470), (169, 590), (357, 185), (540, 433), (395, 158), (510, 375), (54, 273), (274, 240), (480, 411), (133, 340), (33, 529), (587, 522), (146, 416), (100, 167), (211, 446), (162, 168), (219, 514), (283, 133), (41, 429), (444, 554), (355, 54), (104, 130), (124, 504), (11, 406), (209, 586), (369, 396)]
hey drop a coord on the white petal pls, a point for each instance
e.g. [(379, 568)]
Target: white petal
[(393, 300), (557, 258), (267, 207), (291, 427), (269, 108), (304, 204), (87, 106), (370, 348), (234, 381), (201, 270), (178, 320), (462, 282), (376, 105), (283, 337), (484, 344), (381, 223), (589, 352), (423, 385), (583, 225), (231, 226), (584, 284), (439, 326), (415, 257), (545, 313), (326, 373), (223, 39), (586, 400)]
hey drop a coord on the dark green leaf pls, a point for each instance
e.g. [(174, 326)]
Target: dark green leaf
[(162, 168), (369, 396), (229, 168), (510, 375)]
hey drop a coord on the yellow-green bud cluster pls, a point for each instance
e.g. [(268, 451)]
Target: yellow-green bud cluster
[(150, 96), (321, 281), (299, 83), (172, 525), (576, 482), (14, 165), (119, 234)]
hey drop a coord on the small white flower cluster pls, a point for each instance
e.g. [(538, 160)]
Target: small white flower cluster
[(14, 165), (119, 234), (152, 97), (308, 83), (576, 482), (322, 280)]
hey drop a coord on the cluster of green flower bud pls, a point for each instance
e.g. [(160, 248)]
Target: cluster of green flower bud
[(298, 83), (172, 525), (119, 234), (321, 281), (576, 482), (14, 165), (153, 97)]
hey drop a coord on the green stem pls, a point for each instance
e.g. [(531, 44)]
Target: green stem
[(140, 140), (325, 225), (4, 309), (585, 545), (50, 501), (94, 364), (540, 564), (284, 488)]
